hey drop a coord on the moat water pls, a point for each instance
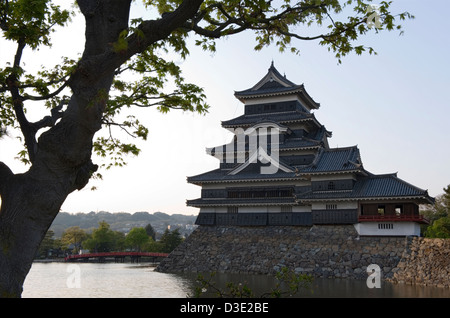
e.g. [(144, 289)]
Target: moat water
[(126, 280)]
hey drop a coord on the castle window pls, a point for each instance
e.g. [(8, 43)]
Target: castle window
[(246, 194), (398, 210), (385, 226), (233, 194), (331, 206), (381, 209), (286, 209), (331, 185), (260, 193), (286, 192), (232, 209)]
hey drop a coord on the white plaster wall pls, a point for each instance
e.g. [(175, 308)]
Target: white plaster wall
[(213, 210), (252, 209), (273, 99), (296, 152), (274, 209), (399, 229), (340, 205), (303, 208), (255, 184), (337, 176), (207, 210)]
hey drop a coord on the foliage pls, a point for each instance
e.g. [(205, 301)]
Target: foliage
[(73, 236), (170, 240), (119, 220), (150, 231), (31, 21), (103, 239), (288, 284), (49, 246), (439, 216), (293, 281), (149, 77), (137, 238), (440, 228)]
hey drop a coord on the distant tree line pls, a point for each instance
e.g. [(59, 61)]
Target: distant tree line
[(439, 216), (120, 220), (103, 239)]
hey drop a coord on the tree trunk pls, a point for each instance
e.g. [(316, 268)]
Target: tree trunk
[(28, 209), (31, 201), (62, 162)]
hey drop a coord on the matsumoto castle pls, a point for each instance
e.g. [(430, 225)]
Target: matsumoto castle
[(280, 170)]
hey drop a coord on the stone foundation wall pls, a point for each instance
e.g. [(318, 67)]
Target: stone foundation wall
[(425, 262), (321, 250), (330, 251)]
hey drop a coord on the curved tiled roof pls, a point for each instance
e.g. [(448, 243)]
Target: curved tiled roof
[(335, 160), (373, 187), (220, 175), (314, 141), (272, 84), (278, 117), (270, 90), (387, 185), (289, 144)]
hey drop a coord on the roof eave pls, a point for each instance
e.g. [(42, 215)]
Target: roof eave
[(200, 182), (242, 96), (380, 198), (330, 172)]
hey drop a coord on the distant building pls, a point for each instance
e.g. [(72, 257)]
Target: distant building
[(280, 170)]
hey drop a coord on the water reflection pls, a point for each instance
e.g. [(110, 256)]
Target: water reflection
[(329, 288), (109, 280)]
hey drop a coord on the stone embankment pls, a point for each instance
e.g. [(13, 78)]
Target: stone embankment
[(322, 251), (425, 262)]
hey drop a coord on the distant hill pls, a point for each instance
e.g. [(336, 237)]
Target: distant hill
[(123, 222)]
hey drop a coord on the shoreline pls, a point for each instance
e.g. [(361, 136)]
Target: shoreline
[(49, 260), (61, 260)]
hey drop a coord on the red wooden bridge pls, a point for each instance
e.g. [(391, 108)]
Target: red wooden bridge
[(119, 257)]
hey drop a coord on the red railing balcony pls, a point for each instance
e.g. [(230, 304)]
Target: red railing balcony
[(393, 218)]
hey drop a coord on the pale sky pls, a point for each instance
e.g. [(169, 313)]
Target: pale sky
[(394, 106)]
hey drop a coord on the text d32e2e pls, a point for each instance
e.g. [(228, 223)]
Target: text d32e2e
[(227, 307)]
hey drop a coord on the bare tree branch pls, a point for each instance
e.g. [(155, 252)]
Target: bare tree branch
[(49, 121), (47, 96), (150, 32), (13, 87)]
